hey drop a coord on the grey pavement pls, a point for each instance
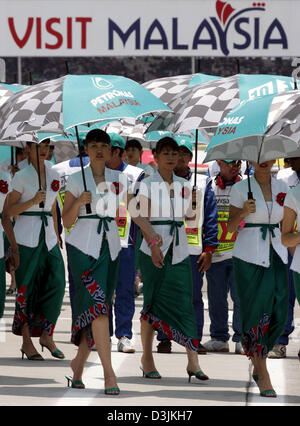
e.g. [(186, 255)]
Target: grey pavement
[(29, 383)]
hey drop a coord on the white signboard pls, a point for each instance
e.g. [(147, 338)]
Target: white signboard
[(143, 27)]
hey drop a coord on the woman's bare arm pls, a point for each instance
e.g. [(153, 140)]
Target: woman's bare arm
[(289, 237), (237, 215), (72, 206)]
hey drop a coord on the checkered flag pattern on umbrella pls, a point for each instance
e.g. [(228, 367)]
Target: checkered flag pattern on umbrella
[(200, 106), (72, 100), (7, 90), (36, 108), (284, 116), (167, 87), (64, 151), (269, 129), (205, 105)]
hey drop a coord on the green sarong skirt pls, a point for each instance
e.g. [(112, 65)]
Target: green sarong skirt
[(95, 281), (168, 299), (263, 300), (2, 286), (40, 280)]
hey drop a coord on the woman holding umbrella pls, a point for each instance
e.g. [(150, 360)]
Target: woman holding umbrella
[(93, 259), (167, 276), (259, 261), (40, 276)]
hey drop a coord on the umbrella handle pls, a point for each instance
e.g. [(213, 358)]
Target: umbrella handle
[(250, 194), (88, 208), (194, 204), (41, 205)]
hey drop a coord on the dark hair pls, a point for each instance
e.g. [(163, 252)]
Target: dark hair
[(166, 142), (121, 150), (19, 150), (97, 135), (134, 143)]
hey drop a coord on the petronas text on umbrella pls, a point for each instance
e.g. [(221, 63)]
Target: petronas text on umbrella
[(106, 97)]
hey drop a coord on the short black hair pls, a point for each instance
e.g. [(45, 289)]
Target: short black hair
[(166, 142), (134, 143), (97, 135), (121, 150)]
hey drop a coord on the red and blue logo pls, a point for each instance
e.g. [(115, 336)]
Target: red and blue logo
[(248, 29), (230, 31)]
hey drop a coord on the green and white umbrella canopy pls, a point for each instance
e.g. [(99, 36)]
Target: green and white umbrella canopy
[(260, 130), (60, 104), (166, 88), (206, 105), (7, 90)]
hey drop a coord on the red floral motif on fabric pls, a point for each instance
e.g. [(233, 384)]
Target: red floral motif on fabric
[(172, 333), (185, 192), (100, 307), (280, 198), (253, 338), (116, 187), (3, 186), (37, 323), (55, 185)]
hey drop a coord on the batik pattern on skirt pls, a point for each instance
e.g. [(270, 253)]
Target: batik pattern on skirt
[(168, 299), (40, 280), (263, 301), (95, 282)]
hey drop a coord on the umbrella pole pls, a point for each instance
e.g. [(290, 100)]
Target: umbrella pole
[(250, 194), (88, 206), (194, 204), (11, 155), (41, 205)]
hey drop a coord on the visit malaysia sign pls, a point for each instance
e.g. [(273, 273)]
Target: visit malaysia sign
[(143, 27)]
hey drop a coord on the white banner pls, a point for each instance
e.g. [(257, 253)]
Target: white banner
[(143, 28)]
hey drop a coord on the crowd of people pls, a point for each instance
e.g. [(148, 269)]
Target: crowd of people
[(164, 224), (143, 68)]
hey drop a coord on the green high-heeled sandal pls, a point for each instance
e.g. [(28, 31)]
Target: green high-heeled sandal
[(268, 393), (56, 354), (112, 391), (151, 374), (255, 377), (76, 384), (199, 375), (34, 357)]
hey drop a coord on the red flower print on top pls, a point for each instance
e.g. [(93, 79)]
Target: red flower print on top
[(3, 186), (55, 185), (116, 187), (185, 192), (280, 198)]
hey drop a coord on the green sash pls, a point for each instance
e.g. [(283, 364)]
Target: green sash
[(263, 228), (42, 214), (175, 225), (102, 220)]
